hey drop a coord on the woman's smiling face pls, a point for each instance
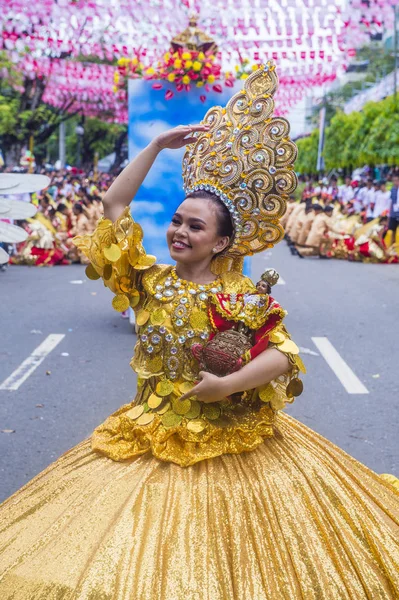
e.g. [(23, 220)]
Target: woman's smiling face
[(192, 235)]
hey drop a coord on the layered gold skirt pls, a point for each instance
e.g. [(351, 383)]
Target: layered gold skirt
[(297, 518)]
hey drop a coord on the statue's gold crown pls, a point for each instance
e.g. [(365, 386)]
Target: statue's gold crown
[(246, 158), (270, 276)]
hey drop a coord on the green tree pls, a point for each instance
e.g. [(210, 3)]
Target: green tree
[(307, 153)]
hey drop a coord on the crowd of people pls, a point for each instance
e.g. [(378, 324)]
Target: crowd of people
[(358, 220), (71, 205)]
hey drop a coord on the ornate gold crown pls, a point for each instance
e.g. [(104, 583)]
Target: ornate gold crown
[(270, 276), (246, 159)]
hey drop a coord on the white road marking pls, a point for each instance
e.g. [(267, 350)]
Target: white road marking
[(303, 350), (351, 383), (16, 379)]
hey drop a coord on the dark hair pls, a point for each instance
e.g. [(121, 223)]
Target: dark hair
[(225, 224), (78, 207), (61, 206)]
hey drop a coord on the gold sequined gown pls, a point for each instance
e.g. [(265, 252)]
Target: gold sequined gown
[(172, 500)]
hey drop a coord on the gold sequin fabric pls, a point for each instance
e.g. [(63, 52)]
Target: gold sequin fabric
[(172, 316), (295, 519)]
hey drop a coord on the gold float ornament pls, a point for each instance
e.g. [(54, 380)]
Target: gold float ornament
[(289, 347), (135, 412), (91, 273), (154, 401), (198, 319), (142, 317), (145, 262), (145, 419), (164, 388), (112, 253), (171, 419), (121, 303), (211, 411), (294, 388), (267, 393), (196, 426), (181, 407), (194, 411), (107, 272), (158, 316), (277, 337)]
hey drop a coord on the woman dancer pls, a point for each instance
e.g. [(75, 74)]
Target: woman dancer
[(202, 488)]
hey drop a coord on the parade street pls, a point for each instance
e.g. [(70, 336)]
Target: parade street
[(343, 316)]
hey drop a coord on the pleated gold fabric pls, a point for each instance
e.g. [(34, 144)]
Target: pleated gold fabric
[(297, 518)]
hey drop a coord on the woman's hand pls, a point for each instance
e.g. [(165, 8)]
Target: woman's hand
[(210, 389), (178, 137)]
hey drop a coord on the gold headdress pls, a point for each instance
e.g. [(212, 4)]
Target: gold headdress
[(246, 158)]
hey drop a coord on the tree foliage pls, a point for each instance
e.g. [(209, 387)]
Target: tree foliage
[(307, 153), (353, 140)]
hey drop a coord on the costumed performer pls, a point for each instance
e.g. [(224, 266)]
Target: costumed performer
[(200, 488)]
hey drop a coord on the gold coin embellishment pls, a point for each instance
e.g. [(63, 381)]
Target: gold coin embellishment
[(198, 319), (145, 261), (181, 407), (107, 272), (142, 317), (137, 233), (277, 337), (158, 316), (164, 409), (120, 302), (112, 253), (295, 387), (133, 256), (164, 388), (299, 364), (196, 426), (211, 411), (171, 419), (134, 298), (289, 346), (91, 273), (277, 403), (194, 411), (135, 412), (267, 393), (125, 284), (145, 419), (154, 401), (186, 386)]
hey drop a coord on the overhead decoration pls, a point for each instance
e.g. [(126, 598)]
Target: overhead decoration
[(310, 41)]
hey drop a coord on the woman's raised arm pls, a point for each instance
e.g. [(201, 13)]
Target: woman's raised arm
[(126, 185)]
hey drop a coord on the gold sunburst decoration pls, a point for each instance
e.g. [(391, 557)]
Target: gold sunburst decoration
[(246, 159)]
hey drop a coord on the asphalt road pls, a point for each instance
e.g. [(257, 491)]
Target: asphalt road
[(87, 375)]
